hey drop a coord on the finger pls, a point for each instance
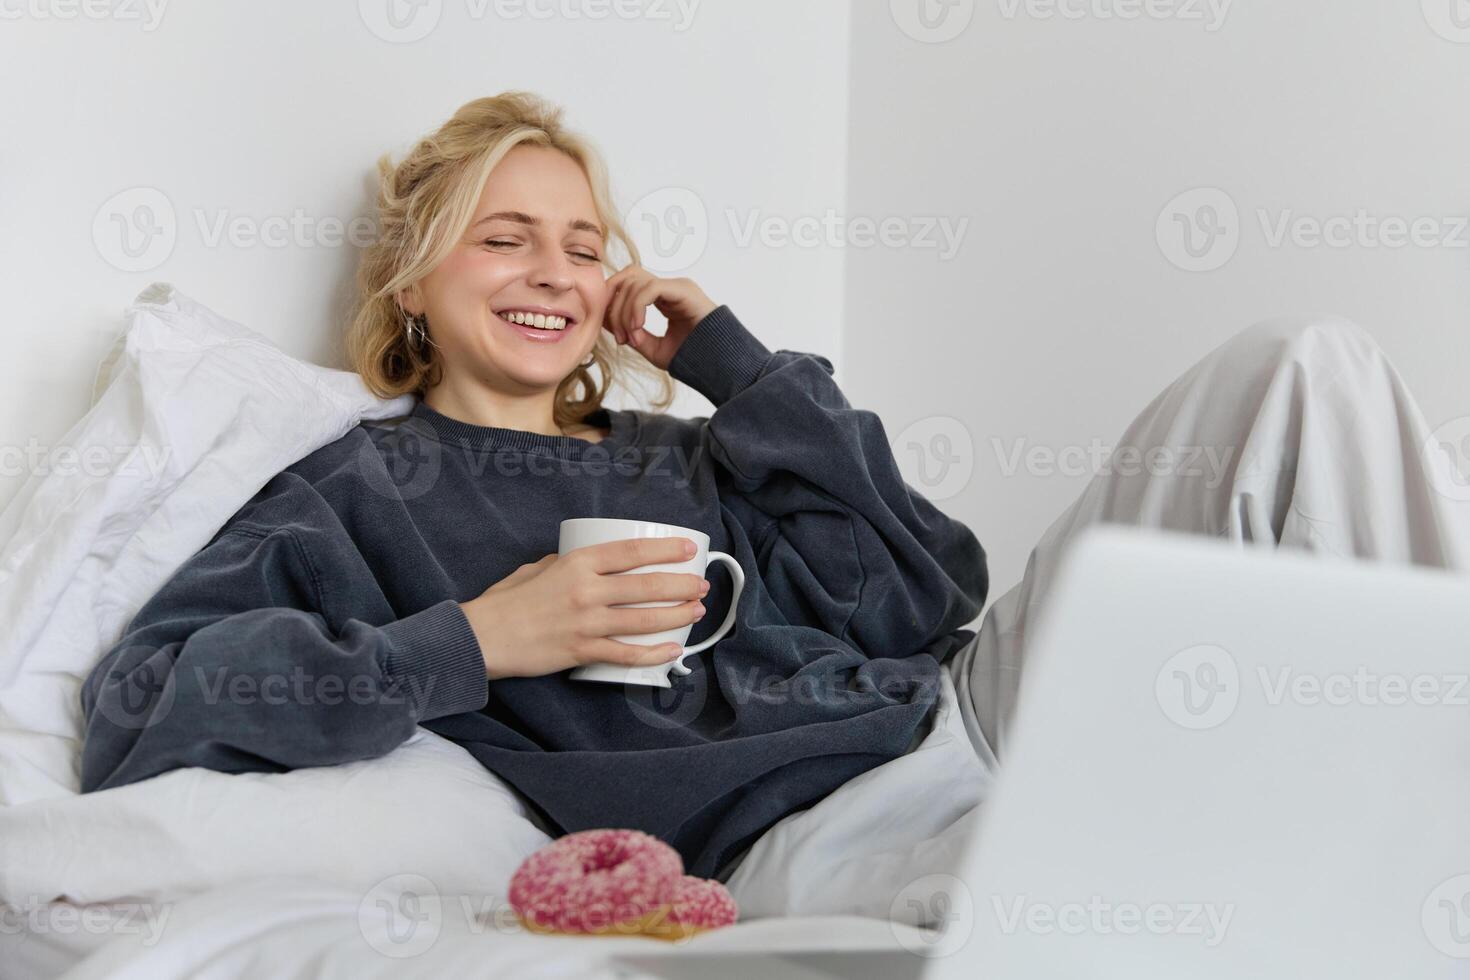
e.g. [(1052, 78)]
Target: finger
[(619, 283), (635, 655), (649, 587), (668, 292), (609, 313), (626, 298), (536, 568), (615, 621), (527, 571), (645, 295), (617, 277), (620, 556)]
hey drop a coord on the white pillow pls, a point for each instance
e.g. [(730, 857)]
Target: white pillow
[(207, 411), (427, 808)]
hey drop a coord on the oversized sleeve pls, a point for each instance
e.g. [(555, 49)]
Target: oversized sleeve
[(844, 543), (273, 648)]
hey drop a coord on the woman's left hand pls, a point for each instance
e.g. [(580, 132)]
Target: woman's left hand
[(681, 301)]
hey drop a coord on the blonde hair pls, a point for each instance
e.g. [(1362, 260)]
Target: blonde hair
[(425, 204)]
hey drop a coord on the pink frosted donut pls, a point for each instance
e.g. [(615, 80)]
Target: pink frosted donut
[(693, 905), (595, 881)]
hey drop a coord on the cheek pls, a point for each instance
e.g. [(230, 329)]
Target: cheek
[(596, 292), (476, 274)]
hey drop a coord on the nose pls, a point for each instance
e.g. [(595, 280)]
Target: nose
[(551, 269)]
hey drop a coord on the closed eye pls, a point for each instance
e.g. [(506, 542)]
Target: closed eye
[(590, 257)]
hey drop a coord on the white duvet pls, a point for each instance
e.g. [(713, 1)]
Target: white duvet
[(210, 411)]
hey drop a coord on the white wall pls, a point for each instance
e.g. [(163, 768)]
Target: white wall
[(1057, 142), (1062, 140), (261, 109)]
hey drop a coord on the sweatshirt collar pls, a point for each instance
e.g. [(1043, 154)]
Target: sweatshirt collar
[(492, 437)]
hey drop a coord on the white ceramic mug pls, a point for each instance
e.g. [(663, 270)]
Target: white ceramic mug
[(579, 532)]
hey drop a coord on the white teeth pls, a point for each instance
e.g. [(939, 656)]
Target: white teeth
[(540, 320)]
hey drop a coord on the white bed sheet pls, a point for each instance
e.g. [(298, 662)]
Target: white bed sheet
[(285, 860), (288, 928)]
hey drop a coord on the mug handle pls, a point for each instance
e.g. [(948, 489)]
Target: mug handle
[(736, 573)]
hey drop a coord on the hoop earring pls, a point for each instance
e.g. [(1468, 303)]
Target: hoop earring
[(591, 359), (416, 332)]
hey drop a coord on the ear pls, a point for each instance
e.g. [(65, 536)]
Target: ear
[(408, 299)]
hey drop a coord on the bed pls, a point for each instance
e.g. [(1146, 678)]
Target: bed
[(323, 871)]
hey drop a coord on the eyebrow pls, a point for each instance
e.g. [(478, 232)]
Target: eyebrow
[(521, 217)]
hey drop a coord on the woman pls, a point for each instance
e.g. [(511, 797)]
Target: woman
[(407, 573)]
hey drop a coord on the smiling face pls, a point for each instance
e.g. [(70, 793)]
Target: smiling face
[(534, 246)]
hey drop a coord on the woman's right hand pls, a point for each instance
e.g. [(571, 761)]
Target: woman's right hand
[(556, 613)]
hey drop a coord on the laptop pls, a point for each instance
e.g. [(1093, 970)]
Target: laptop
[(1225, 762)]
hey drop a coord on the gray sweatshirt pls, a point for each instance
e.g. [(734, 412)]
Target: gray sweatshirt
[(321, 623)]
